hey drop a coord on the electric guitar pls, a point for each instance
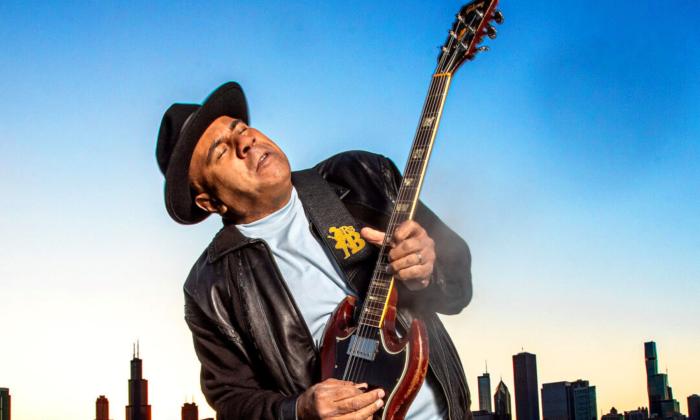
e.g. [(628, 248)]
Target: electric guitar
[(368, 349)]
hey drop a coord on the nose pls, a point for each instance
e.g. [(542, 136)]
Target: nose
[(243, 145)]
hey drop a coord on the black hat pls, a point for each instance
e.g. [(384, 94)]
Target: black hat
[(180, 130)]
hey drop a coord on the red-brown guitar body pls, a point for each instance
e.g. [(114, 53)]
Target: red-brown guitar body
[(398, 367)]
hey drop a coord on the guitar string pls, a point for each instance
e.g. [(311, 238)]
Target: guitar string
[(404, 191), (362, 329), (352, 371), (412, 166), (356, 369)]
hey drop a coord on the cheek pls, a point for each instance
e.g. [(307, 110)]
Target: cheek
[(282, 170), (229, 181)]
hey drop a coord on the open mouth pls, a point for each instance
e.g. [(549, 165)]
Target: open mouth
[(261, 161)]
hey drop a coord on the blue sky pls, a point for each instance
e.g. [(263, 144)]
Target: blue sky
[(567, 158)]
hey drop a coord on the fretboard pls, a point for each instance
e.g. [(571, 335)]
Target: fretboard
[(382, 282)]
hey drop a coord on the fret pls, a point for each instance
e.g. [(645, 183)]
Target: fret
[(383, 267), (369, 324), (372, 311), (380, 295), (436, 95), (418, 153), (376, 305), (380, 299), (414, 171), (402, 207), (379, 289), (371, 316), (412, 191), (408, 181), (428, 121)]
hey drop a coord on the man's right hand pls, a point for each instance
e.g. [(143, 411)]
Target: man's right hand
[(338, 400)]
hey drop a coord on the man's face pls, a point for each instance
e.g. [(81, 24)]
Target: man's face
[(238, 171)]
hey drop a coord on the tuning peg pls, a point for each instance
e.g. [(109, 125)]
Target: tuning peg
[(491, 32), (482, 48), (498, 17)]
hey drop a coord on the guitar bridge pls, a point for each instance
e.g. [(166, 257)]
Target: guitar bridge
[(362, 347)]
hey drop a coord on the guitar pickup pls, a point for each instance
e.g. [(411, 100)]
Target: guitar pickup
[(362, 347)]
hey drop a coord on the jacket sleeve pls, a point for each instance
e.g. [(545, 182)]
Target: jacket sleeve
[(450, 288), (228, 381)]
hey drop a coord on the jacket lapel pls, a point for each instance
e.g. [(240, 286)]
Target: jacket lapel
[(336, 227)]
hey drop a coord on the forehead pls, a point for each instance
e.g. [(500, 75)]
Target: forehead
[(217, 127)]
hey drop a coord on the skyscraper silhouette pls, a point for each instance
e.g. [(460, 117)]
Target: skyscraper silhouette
[(694, 407), (501, 402), (102, 408), (557, 401), (190, 411), (584, 397), (527, 406), (661, 401), (138, 408), (484, 382), (5, 404)]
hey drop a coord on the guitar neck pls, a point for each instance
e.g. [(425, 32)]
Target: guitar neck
[(382, 282)]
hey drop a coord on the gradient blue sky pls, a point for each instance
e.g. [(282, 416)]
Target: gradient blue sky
[(567, 158)]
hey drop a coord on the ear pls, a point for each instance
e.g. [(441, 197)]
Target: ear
[(209, 204)]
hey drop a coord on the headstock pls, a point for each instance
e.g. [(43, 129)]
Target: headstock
[(472, 23)]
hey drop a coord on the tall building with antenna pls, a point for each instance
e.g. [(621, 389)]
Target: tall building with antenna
[(661, 401), (138, 408), (527, 406), (484, 382)]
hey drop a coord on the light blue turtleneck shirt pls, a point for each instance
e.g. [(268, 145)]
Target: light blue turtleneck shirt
[(316, 283)]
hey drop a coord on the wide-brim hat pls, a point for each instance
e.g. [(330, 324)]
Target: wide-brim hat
[(180, 130)]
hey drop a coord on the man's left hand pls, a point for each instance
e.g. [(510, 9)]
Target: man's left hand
[(412, 255)]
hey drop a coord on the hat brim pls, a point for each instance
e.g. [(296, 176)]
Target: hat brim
[(226, 100)]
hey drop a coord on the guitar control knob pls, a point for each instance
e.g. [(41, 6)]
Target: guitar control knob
[(498, 17), (491, 32)]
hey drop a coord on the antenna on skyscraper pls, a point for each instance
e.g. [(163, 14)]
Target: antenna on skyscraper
[(486, 362), (133, 350), (137, 348)]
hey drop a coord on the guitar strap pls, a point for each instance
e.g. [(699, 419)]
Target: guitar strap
[(333, 222)]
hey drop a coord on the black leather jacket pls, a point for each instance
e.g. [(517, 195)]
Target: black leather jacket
[(256, 351)]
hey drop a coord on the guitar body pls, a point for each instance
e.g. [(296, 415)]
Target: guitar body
[(399, 366)]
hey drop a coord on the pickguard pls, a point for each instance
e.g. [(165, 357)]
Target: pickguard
[(386, 370)]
